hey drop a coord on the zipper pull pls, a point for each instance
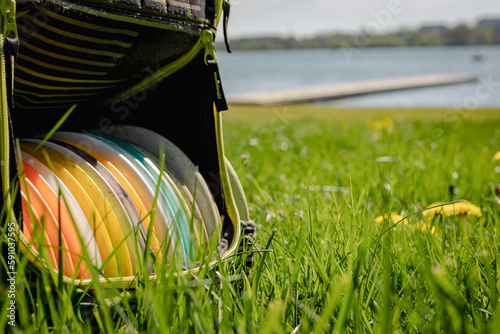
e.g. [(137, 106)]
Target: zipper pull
[(210, 59), (207, 38), (8, 17), (10, 46), (226, 8)]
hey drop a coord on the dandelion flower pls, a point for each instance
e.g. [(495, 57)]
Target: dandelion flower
[(496, 157), (465, 208), (384, 124), (394, 217)]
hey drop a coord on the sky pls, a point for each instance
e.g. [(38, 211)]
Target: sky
[(302, 18)]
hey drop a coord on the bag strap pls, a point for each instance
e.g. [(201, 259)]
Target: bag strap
[(230, 202)]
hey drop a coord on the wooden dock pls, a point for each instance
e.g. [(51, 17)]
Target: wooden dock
[(338, 91)]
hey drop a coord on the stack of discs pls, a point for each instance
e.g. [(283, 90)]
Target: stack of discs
[(107, 200)]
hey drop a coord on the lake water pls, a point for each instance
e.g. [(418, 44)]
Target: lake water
[(256, 71)]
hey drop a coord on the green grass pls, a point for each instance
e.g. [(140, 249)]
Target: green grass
[(315, 179)]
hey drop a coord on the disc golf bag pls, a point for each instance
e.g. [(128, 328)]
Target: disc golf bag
[(136, 167)]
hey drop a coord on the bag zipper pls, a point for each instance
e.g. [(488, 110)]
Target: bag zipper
[(8, 23), (207, 38)]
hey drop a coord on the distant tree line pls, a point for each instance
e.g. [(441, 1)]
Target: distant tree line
[(485, 32)]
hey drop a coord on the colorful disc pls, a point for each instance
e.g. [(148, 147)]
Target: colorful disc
[(125, 203), (73, 206), (106, 193), (181, 221), (193, 221), (105, 226), (180, 164), (114, 214), (94, 147), (29, 224), (50, 225), (63, 217), (163, 205), (142, 183)]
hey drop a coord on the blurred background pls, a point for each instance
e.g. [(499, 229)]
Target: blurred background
[(288, 44)]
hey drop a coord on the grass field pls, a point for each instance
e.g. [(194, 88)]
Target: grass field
[(316, 179)]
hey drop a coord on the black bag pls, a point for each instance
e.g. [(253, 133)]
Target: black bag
[(151, 64)]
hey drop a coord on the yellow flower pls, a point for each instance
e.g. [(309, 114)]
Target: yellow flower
[(385, 124), (394, 217), (496, 157), (465, 208)]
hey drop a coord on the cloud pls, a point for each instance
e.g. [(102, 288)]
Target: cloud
[(253, 5), (256, 17), (349, 6)]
